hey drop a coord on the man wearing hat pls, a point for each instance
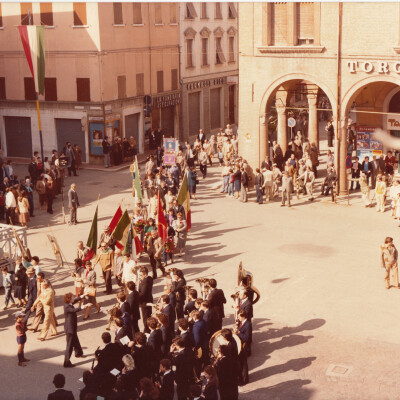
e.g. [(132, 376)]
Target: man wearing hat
[(108, 238), (32, 292), (105, 257)]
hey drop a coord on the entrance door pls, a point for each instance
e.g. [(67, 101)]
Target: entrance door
[(70, 130), (215, 108), (132, 127), (167, 121), (232, 104), (194, 113), (18, 136)]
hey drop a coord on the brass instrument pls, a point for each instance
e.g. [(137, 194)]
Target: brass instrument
[(247, 278), (187, 289), (204, 287), (157, 307), (218, 340)]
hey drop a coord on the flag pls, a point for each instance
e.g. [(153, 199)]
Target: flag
[(121, 231), (128, 244), (92, 239), (137, 242), (162, 222), (133, 244), (138, 189), (117, 216), (184, 200), (32, 37)]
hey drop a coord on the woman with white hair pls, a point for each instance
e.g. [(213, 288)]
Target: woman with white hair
[(128, 382)]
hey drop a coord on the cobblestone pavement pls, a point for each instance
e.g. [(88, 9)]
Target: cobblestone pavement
[(325, 327)]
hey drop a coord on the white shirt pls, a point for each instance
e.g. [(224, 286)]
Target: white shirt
[(10, 200), (128, 271)]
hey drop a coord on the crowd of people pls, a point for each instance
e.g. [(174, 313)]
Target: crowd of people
[(119, 151)]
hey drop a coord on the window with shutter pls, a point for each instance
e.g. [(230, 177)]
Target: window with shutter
[(26, 11), (232, 13), (218, 11), (174, 79), (121, 82), (231, 49), (172, 13), (305, 23), (117, 8), (279, 24), (220, 58), (158, 13), (46, 14), (189, 53), (204, 51), (50, 89), (1, 18), (80, 14), (190, 11), (83, 88), (2, 88), (160, 81), (29, 86), (137, 14), (204, 10), (140, 84)]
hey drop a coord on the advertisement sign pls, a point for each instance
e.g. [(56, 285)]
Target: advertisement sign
[(96, 137), (169, 158), (113, 125), (366, 146)]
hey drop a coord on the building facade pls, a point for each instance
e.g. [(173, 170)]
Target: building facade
[(294, 54), (208, 35), (101, 60)]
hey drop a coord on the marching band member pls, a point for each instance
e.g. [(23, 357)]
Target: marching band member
[(216, 299), (245, 333)]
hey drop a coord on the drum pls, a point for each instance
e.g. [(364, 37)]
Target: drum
[(218, 340)]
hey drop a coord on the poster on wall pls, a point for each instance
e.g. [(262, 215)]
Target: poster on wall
[(113, 125), (366, 146), (96, 137)]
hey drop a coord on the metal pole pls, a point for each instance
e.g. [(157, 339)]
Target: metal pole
[(40, 127)]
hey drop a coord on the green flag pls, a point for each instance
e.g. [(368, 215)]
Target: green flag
[(138, 189), (92, 239), (121, 231)]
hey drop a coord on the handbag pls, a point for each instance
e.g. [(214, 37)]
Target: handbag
[(90, 291)]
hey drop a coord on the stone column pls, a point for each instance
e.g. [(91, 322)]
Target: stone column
[(264, 145), (313, 119), (282, 127)]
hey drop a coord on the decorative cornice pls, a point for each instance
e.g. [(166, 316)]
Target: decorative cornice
[(290, 49), (205, 32), (190, 33), (232, 31), (218, 32)]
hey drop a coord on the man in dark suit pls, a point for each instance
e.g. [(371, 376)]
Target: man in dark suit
[(200, 333), (178, 208), (355, 173), (155, 341), (374, 171), (185, 333), (366, 167), (190, 304), (210, 316), (32, 292), (126, 312), (216, 300), (178, 287), (145, 295), (133, 301), (159, 156), (183, 359), (60, 393), (71, 329), (121, 332), (73, 204), (201, 136), (167, 377), (227, 375), (168, 310), (245, 304), (245, 333), (143, 356)]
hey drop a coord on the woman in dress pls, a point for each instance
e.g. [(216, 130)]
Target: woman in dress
[(23, 209), (180, 228), (78, 156), (192, 182), (21, 280)]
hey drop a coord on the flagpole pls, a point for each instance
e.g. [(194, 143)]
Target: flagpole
[(40, 127)]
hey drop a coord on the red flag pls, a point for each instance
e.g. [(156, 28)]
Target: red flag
[(162, 222), (138, 243), (117, 216)]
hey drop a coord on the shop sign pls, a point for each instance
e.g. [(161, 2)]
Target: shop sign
[(381, 67), (393, 122), (232, 80), (205, 83), (167, 100)]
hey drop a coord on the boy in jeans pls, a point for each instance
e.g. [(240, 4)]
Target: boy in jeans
[(8, 283)]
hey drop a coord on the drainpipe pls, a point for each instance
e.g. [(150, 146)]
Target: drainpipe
[(180, 130)]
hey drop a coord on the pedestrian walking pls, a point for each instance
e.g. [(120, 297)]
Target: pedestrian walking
[(73, 203)]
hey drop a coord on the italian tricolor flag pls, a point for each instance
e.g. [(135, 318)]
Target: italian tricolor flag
[(184, 200), (121, 231), (32, 37)]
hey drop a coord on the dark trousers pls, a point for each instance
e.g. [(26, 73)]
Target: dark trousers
[(10, 214), (72, 168), (228, 393), (146, 313), (27, 311), (179, 310), (2, 209), (31, 206), (156, 263), (135, 326), (107, 280), (182, 390), (50, 204), (218, 324), (259, 194), (72, 215), (243, 367), (203, 170), (72, 344)]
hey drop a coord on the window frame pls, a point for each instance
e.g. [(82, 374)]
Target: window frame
[(137, 6), (79, 96), (44, 9), (77, 17), (117, 6)]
